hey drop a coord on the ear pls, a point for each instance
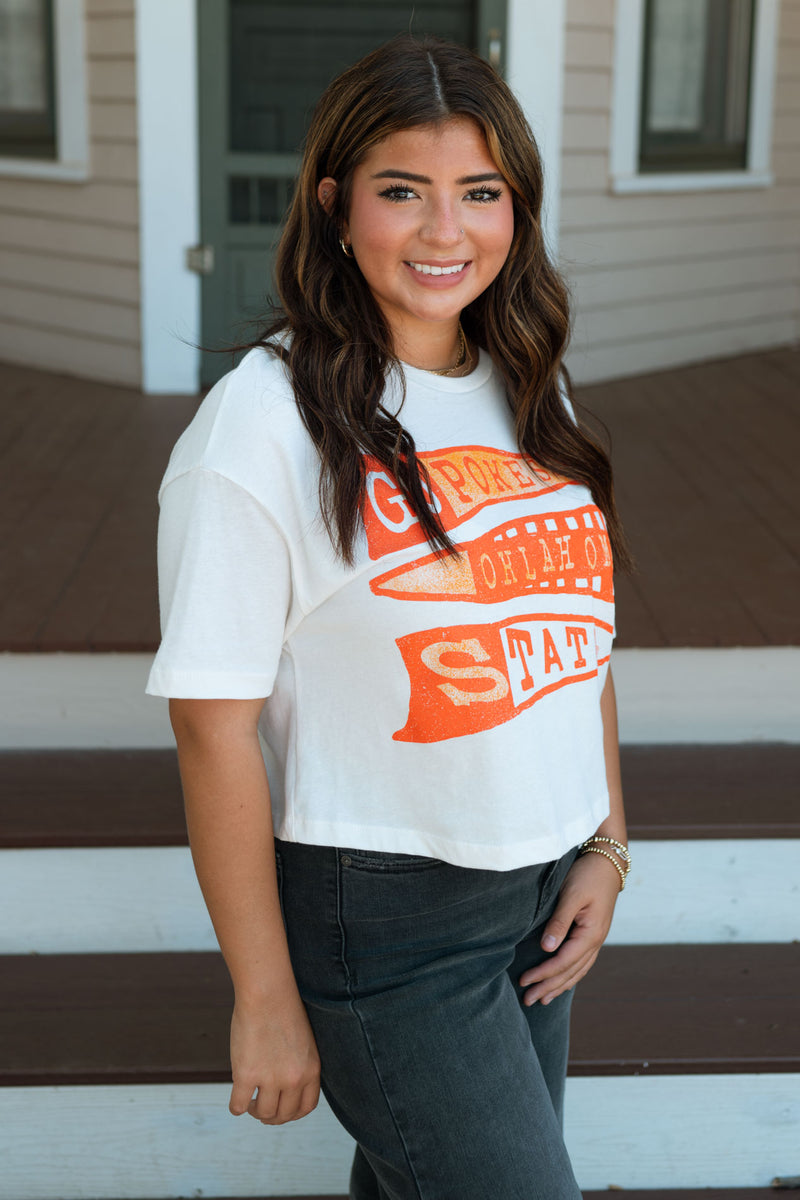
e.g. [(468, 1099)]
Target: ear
[(326, 193)]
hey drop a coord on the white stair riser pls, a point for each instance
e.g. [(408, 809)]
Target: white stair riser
[(163, 1141), (666, 695), (147, 899), (85, 901), (683, 1131)]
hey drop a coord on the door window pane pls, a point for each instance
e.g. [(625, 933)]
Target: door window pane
[(27, 116), (696, 85), (254, 200), (284, 55)]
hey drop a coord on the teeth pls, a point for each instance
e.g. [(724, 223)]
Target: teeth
[(427, 269)]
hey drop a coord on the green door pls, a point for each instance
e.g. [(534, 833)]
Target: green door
[(263, 64)]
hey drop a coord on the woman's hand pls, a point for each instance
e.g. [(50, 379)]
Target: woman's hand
[(273, 1053), (577, 929), (228, 815), (582, 917)]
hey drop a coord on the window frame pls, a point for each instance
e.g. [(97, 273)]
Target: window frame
[(71, 162), (35, 130), (625, 175)]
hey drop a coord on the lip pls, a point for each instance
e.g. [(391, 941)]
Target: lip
[(438, 281)]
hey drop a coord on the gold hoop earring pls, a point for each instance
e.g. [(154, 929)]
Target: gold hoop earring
[(347, 249)]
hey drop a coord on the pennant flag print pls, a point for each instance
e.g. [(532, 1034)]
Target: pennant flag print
[(463, 480), (468, 678), (558, 552)]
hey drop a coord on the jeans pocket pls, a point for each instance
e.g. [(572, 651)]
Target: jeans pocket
[(552, 883), (385, 861)]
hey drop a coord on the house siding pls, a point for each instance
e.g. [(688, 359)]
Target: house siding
[(69, 252), (663, 279)]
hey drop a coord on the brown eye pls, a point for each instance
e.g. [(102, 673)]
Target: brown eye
[(397, 192), (485, 195)]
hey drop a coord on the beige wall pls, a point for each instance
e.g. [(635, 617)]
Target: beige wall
[(663, 279), (69, 252)]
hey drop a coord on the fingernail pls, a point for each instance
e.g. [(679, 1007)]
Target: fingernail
[(549, 942)]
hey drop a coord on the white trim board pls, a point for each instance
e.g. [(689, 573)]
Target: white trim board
[(711, 891), (146, 899), (683, 1131), (80, 701), (536, 31), (169, 193), (98, 901), (740, 694), (151, 1141)]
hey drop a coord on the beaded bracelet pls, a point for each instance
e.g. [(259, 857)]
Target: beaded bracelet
[(620, 851), (620, 848)]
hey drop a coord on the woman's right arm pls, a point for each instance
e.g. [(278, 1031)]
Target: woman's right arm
[(228, 815)]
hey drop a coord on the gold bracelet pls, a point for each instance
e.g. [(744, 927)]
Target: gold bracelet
[(620, 852), (620, 848)]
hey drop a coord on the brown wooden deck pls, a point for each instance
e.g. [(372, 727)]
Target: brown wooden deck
[(706, 460), (705, 456), (77, 1019), (70, 798), (79, 468)]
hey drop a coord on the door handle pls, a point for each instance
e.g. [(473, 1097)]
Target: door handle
[(495, 48)]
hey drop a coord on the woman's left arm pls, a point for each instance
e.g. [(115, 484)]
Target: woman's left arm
[(582, 917)]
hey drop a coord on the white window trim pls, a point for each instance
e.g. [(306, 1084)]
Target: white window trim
[(72, 121), (625, 114)]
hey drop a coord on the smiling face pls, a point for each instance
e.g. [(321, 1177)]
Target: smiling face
[(431, 223)]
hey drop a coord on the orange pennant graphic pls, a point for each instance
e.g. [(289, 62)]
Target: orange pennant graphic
[(463, 480), (468, 678), (558, 551)]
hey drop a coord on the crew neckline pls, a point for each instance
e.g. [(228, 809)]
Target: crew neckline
[(449, 384)]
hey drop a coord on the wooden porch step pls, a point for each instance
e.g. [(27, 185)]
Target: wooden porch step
[(686, 1194), (658, 1194), (71, 798), (747, 790), (63, 798), (163, 1018)]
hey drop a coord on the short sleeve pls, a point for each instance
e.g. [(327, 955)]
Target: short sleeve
[(224, 580)]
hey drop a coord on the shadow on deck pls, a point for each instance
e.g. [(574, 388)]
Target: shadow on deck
[(706, 461)]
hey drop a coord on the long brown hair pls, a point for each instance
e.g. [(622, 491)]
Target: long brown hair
[(340, 347)]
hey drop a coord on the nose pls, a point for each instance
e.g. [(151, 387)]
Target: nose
[(441, 227)]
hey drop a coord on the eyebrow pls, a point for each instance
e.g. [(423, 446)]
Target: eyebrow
[(465, 179)]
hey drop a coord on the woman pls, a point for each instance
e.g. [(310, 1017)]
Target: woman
[(384, 545)]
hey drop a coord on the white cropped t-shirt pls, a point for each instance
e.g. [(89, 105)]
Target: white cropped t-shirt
[(447, 707)]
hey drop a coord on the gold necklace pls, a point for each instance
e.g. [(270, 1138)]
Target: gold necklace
[(461, 357)]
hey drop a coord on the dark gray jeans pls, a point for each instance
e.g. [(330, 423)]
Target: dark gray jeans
[(408, 967)]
